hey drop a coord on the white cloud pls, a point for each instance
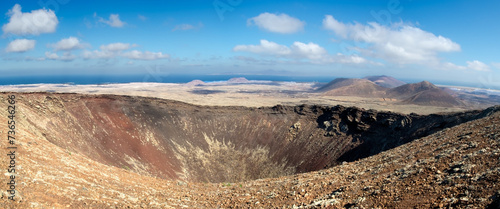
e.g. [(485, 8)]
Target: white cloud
[(52, 56), (298, 50), (471, 65), (477, 66), (399, 43), (114, 50), (67, 44), (96, 54), (332, 24), (309, 50), (114, 20), (266, 48), (67, 56), (451, 66), (30, 23), (277, 23), (147, 55), (117, 46), (350, 59), (107, 51), (20, 45)]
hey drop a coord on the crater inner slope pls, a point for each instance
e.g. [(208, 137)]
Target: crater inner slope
[(179, 141)]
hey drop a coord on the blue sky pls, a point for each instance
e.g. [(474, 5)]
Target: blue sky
[(409, 39)]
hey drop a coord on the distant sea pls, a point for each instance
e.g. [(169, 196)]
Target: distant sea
[(172, 78)]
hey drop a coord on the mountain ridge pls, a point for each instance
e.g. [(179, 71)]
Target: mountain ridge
[(422, 93), (352, 87)]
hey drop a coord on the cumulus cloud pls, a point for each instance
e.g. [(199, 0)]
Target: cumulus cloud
[(339, 28), (147, 55), (113, 21), (398, 43), (114, 50), (451, 66), (309, 50), (66, 56), (30, 23), (117, 47), (20, 45), (477, 66), (266, 48), (96, 54), (107, 51), (277, 23), (350, 59), (470, 65), (67, 44), (298, 50), (51, 55)]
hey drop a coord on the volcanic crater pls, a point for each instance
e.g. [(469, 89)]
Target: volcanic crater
[(180, 141)]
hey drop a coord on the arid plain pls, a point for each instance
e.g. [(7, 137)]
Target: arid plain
[(247, 93)]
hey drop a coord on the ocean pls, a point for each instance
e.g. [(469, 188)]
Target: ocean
[(177, 78)]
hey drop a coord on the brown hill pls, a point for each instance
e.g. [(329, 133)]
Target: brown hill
[(433, 97), (80, 151), (410, 89), (423, 93), (352, 87), (385, 81)]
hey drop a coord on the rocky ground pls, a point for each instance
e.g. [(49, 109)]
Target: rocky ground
[(458, 167)]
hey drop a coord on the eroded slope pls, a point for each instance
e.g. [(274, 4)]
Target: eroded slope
[(174, 140)]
